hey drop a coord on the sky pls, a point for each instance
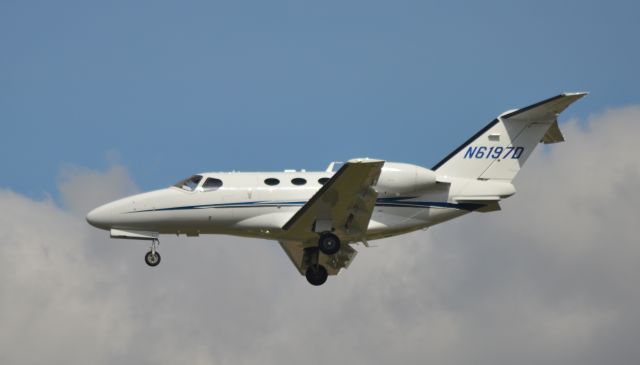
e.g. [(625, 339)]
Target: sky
[(170, 88), (99, 100)]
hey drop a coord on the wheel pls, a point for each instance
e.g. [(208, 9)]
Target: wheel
[(151, 259), (316, 275), (329, 243)]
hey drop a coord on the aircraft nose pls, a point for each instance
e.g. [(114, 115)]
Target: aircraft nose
[(117, 213), (100, 217)]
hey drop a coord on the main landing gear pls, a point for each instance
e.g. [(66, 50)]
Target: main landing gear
[(328, 244), (152, 258), (316, 274)]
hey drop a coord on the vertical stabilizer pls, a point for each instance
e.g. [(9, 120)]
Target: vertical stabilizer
[(499, 150)]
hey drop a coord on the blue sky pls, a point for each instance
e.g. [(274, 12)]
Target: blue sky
[(168, 88)]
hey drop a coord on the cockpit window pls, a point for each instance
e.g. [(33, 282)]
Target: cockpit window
[(211, 183), (189, 184)]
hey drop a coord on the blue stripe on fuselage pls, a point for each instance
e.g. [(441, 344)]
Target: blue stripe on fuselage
[(403, 202)]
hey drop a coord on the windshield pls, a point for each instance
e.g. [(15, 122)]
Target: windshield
[(189, 184)]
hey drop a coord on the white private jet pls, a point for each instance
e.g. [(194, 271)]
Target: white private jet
[(318, 216)]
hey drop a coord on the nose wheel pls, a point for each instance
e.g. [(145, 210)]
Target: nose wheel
[(152, 258)]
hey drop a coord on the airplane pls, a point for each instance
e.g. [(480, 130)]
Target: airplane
[(318, 216)]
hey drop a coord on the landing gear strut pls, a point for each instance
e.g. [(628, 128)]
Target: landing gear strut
[(152, 258), (316, 274)]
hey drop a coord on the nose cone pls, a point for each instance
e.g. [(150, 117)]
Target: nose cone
[(133, 212), (101, 217)]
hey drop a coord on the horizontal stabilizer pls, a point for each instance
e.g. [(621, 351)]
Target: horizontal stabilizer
[(544, 109)]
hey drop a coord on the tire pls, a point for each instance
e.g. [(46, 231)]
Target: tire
[(329, 244), (151, 260), (316, 275)]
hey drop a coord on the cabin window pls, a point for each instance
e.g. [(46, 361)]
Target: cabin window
[(323, 180), (272, 181), (189, 184), (298, 181), (211, 184)]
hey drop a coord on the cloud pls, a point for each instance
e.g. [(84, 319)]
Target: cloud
[(82, 189), (55, 305), (552, 278)]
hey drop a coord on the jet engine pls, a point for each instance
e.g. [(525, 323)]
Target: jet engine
[(403, 179)]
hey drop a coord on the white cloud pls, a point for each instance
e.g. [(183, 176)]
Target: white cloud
[(550, 279), (83, 189), (55, 305)]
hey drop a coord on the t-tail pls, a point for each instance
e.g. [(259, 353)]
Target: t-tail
[(498, 151)]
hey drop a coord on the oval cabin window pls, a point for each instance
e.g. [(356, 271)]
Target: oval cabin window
[(323, 180), (298, 181), (272, 181), (211, 183)]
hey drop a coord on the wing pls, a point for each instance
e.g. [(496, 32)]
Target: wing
[(333, 264), (343, 205)]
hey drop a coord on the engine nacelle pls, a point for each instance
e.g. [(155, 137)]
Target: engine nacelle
[(398, 179)]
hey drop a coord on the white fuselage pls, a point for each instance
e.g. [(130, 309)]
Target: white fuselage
[(409, 198), (316, 216)]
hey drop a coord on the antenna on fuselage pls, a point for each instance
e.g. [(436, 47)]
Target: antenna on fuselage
[(332, 165)]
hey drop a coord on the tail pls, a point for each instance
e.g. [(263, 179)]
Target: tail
[(498, 151)]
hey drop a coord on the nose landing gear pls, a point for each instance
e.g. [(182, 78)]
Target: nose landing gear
[(152, 258)]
